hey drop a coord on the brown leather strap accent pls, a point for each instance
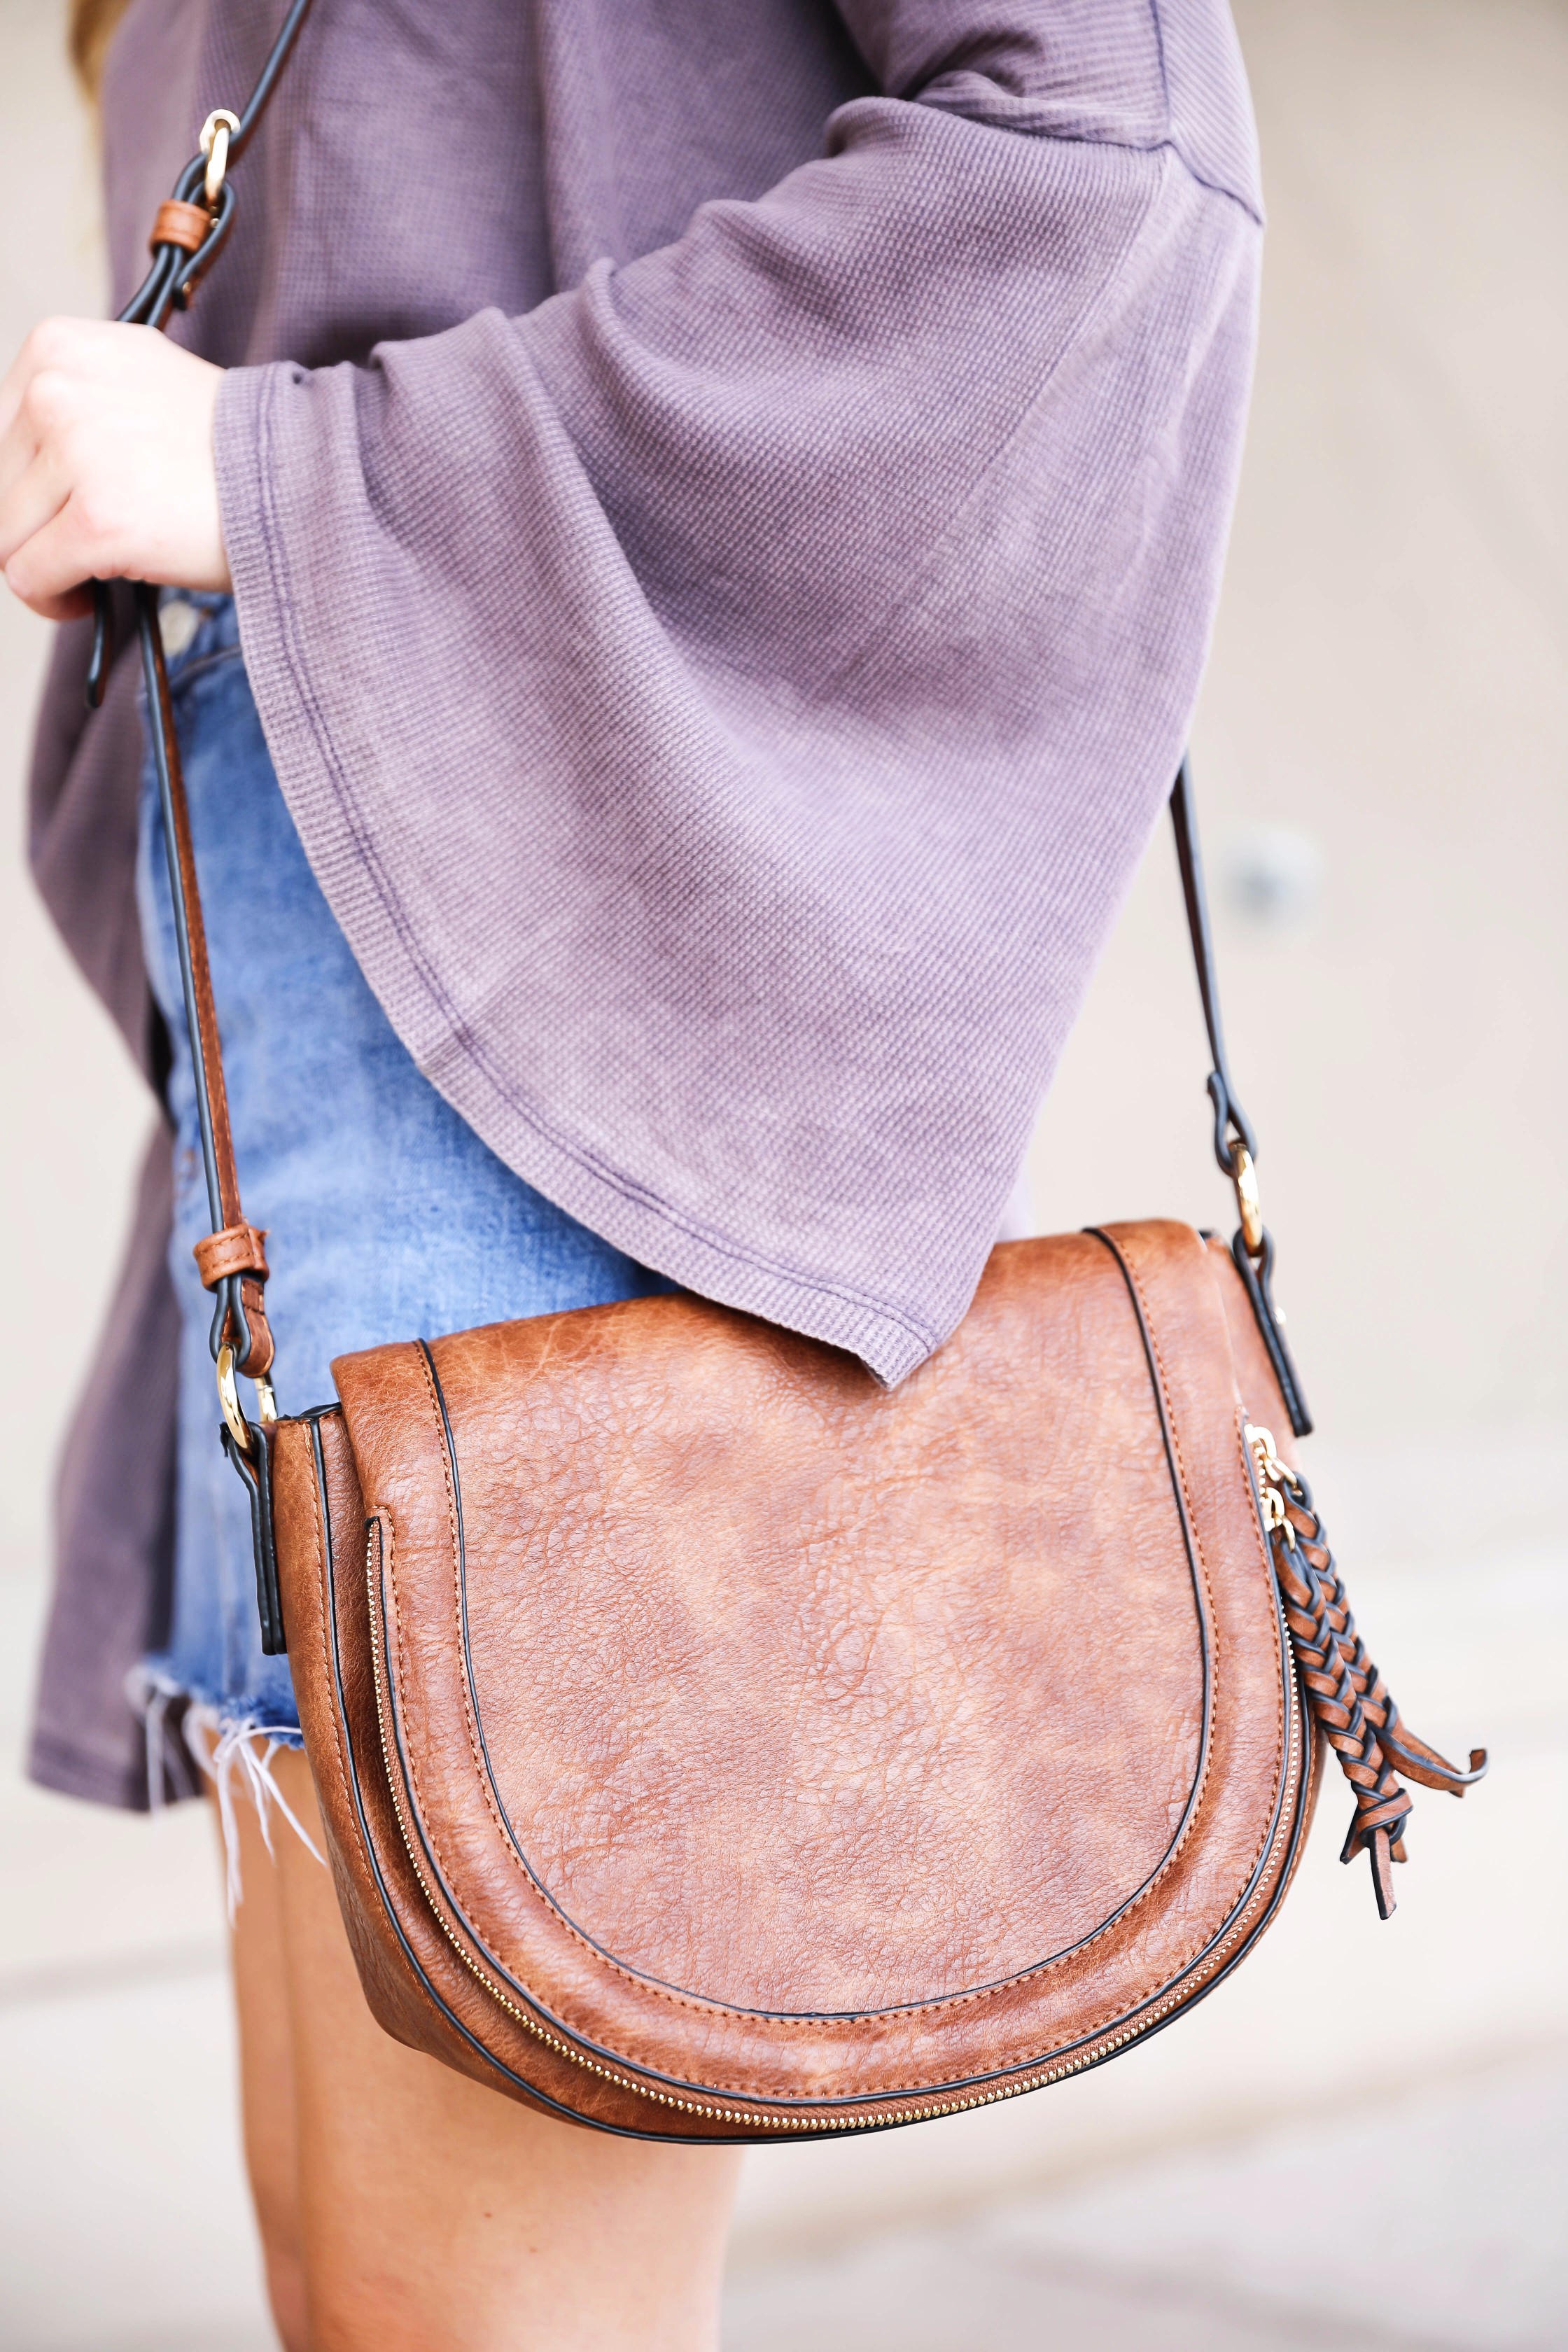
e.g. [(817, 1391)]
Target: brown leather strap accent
[(238, 1249), (253, 1347), (1350, 1698), (257, 1359), (187, 225)]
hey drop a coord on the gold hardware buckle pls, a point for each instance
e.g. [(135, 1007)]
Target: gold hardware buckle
[(229, 1397), (1243, 1176), (219, 128)]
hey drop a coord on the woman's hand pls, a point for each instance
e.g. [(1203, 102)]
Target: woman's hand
[(106, 465)]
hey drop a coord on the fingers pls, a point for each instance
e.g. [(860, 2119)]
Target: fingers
[(23, 368), (35, 407), (60, 348), (30, 502), (18, 430), (47, 523), (51, 570), (76, 604), (106, 464)]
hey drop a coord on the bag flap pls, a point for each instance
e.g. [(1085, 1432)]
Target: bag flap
[(750, 1715)]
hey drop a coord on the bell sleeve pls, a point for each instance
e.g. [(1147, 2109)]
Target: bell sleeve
[(725, 705)]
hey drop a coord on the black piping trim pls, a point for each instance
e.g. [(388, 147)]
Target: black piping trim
[(896, 2008), (568, 2115), (256, 1474), (1294, 1716), (764, 2140), (1257, 1281), (1290, 1705), (1296, 1722)]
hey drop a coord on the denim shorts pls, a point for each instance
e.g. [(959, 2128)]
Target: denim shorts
[(387, 1218)]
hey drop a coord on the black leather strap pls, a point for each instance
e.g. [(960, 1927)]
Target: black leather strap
[(240, 1338), (1231, 1124), (1228, 1112)]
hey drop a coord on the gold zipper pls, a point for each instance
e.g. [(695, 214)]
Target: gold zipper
[(1275, 1479), (926, 2111)]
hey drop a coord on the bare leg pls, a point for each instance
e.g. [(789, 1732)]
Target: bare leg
[(267, 2078), (436, 2216)]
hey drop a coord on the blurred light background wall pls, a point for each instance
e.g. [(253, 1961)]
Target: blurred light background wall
[(1382, 752)]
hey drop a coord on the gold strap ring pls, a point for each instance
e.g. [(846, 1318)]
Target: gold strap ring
[(216, 131), (229, 1397), (1243, 1176)]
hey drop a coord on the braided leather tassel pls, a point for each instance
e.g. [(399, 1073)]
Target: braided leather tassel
[(1348, 1695)]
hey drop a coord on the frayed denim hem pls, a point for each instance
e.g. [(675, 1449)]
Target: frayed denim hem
[(220, 1739)]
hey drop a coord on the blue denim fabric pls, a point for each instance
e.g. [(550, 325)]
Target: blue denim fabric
[(388, 1218)]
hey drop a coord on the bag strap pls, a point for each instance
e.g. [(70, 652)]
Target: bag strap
[(188, 231), (1234, 1141)]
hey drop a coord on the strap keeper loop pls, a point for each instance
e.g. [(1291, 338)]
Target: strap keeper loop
[(238, 1249), (187, 225)]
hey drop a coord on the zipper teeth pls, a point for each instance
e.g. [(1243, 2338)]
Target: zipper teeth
[(922, 2112)]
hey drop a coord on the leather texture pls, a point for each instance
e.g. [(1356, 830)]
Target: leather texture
[(238, 1249), (187, 225), (714, 1744)]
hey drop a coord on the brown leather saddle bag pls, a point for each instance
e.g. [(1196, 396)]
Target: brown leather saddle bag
[(713, 1745)]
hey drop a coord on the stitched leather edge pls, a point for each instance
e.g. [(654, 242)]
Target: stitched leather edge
[(367, 1843), (927, 2004), (809, 2127), (1166, 1981), (793, 2102)]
